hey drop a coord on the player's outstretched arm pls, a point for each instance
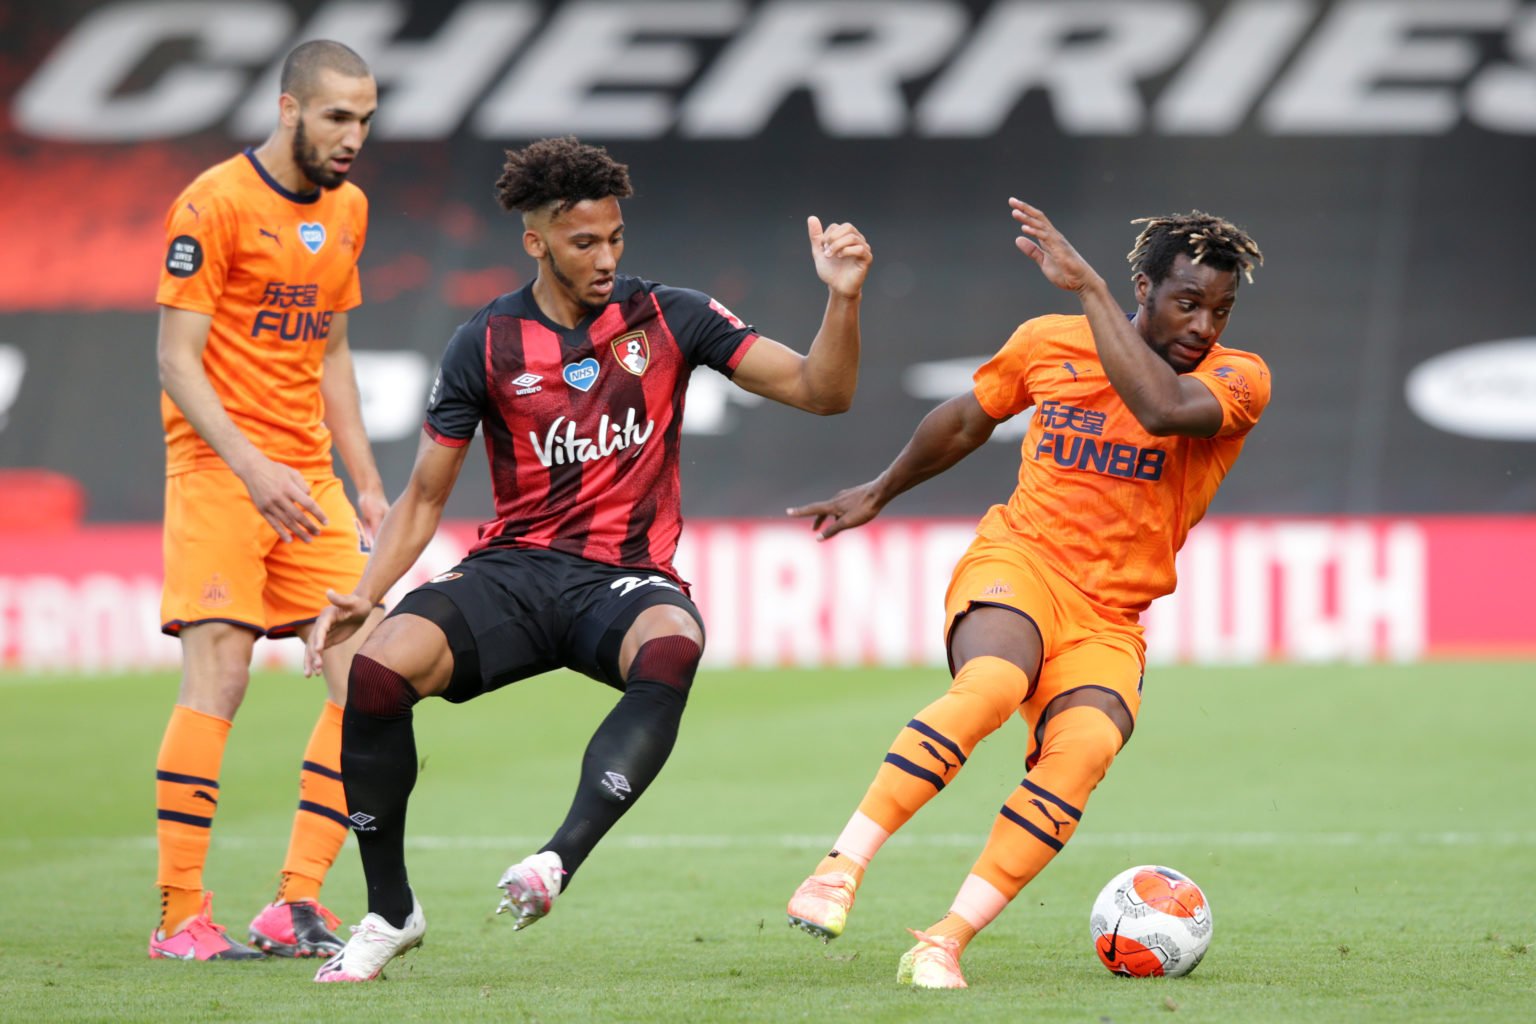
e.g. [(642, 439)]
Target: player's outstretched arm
[(1162, 401), (407, 529), (823, 380), (278, 491), (945, 436), (344, 418)]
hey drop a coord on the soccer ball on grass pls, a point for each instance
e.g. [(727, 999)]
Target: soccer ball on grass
[(1150, 921)]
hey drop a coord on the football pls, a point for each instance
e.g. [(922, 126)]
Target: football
[(1150, 921)]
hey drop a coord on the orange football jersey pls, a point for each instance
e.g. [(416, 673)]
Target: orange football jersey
[(273, 268), (1102, 501)]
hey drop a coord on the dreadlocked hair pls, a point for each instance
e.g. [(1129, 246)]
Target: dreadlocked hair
[(560, 173), (1202, 237)]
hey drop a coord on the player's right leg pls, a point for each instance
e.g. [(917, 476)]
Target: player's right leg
[(215, 671), (404, 659), (212, 600)]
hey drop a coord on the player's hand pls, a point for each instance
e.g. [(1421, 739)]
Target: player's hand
[(842, 256), (336, 621), (372, 507), (846, 509), (1040, 241), (282, 497)]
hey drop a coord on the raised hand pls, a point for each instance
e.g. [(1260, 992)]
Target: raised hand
[(846, 509), (1040, 241), (842, 256)]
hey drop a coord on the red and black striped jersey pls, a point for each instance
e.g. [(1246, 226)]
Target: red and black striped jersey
[(582, 425)]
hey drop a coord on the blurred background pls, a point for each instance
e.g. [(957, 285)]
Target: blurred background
[(1381, 152)]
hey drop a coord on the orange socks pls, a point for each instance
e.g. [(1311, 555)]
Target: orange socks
[(1042, 814), (930, 751), (320, 827), (953, 926), (186, 796)]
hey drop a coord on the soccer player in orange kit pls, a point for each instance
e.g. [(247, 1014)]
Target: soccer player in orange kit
[(1136, 421), (260, 273)]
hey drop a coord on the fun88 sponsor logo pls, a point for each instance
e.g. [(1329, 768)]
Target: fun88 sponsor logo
[(1073, 451), (290, 313), (1076, 443)]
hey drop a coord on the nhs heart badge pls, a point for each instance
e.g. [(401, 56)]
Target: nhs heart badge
[(312, 235), (582, 375)]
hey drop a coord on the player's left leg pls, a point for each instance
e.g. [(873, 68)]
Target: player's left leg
[(1078, 733), (997, 606), (653, 642), (296, 923)]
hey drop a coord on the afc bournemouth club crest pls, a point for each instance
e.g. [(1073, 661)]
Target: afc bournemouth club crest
[(633, 352)]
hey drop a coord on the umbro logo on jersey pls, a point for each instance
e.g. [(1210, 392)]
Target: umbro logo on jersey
[(582, 375), (362, 822), (527, 383), (312, 235)]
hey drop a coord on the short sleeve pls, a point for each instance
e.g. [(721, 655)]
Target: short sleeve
[(352, 292), (457, 402), (1001, 386), (708, 333), (1240, 382), (199, 240)]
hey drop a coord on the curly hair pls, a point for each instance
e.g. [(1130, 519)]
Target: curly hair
[(1202, 237), (560, 172)]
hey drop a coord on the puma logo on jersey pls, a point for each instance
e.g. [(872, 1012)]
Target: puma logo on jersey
[(270, 234)]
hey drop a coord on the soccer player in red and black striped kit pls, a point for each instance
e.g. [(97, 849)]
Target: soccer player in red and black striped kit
[(577, 380)]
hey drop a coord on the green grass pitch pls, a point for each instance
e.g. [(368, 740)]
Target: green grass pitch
[(1366, 837)]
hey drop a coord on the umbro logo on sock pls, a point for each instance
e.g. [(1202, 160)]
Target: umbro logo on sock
[(616, 784), (362, 822)]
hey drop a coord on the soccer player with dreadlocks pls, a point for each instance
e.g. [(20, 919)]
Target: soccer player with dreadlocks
[(1137, 420)]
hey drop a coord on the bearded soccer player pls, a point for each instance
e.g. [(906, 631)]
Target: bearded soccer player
[(257, 371), (577, 380), (1136, 422)]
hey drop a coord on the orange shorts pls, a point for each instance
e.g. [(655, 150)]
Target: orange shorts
[(1085, 644), (225, 563)]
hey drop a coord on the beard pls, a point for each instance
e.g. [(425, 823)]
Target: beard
[(566, 280), (307, 157)]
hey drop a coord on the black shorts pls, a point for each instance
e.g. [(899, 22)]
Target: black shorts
[(510, 613)]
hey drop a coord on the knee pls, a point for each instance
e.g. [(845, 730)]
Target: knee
[(670, 660), (1085, 738), (377, 690), (996, 684)]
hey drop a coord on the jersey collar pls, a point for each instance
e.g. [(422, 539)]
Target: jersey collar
[(272, 183)]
